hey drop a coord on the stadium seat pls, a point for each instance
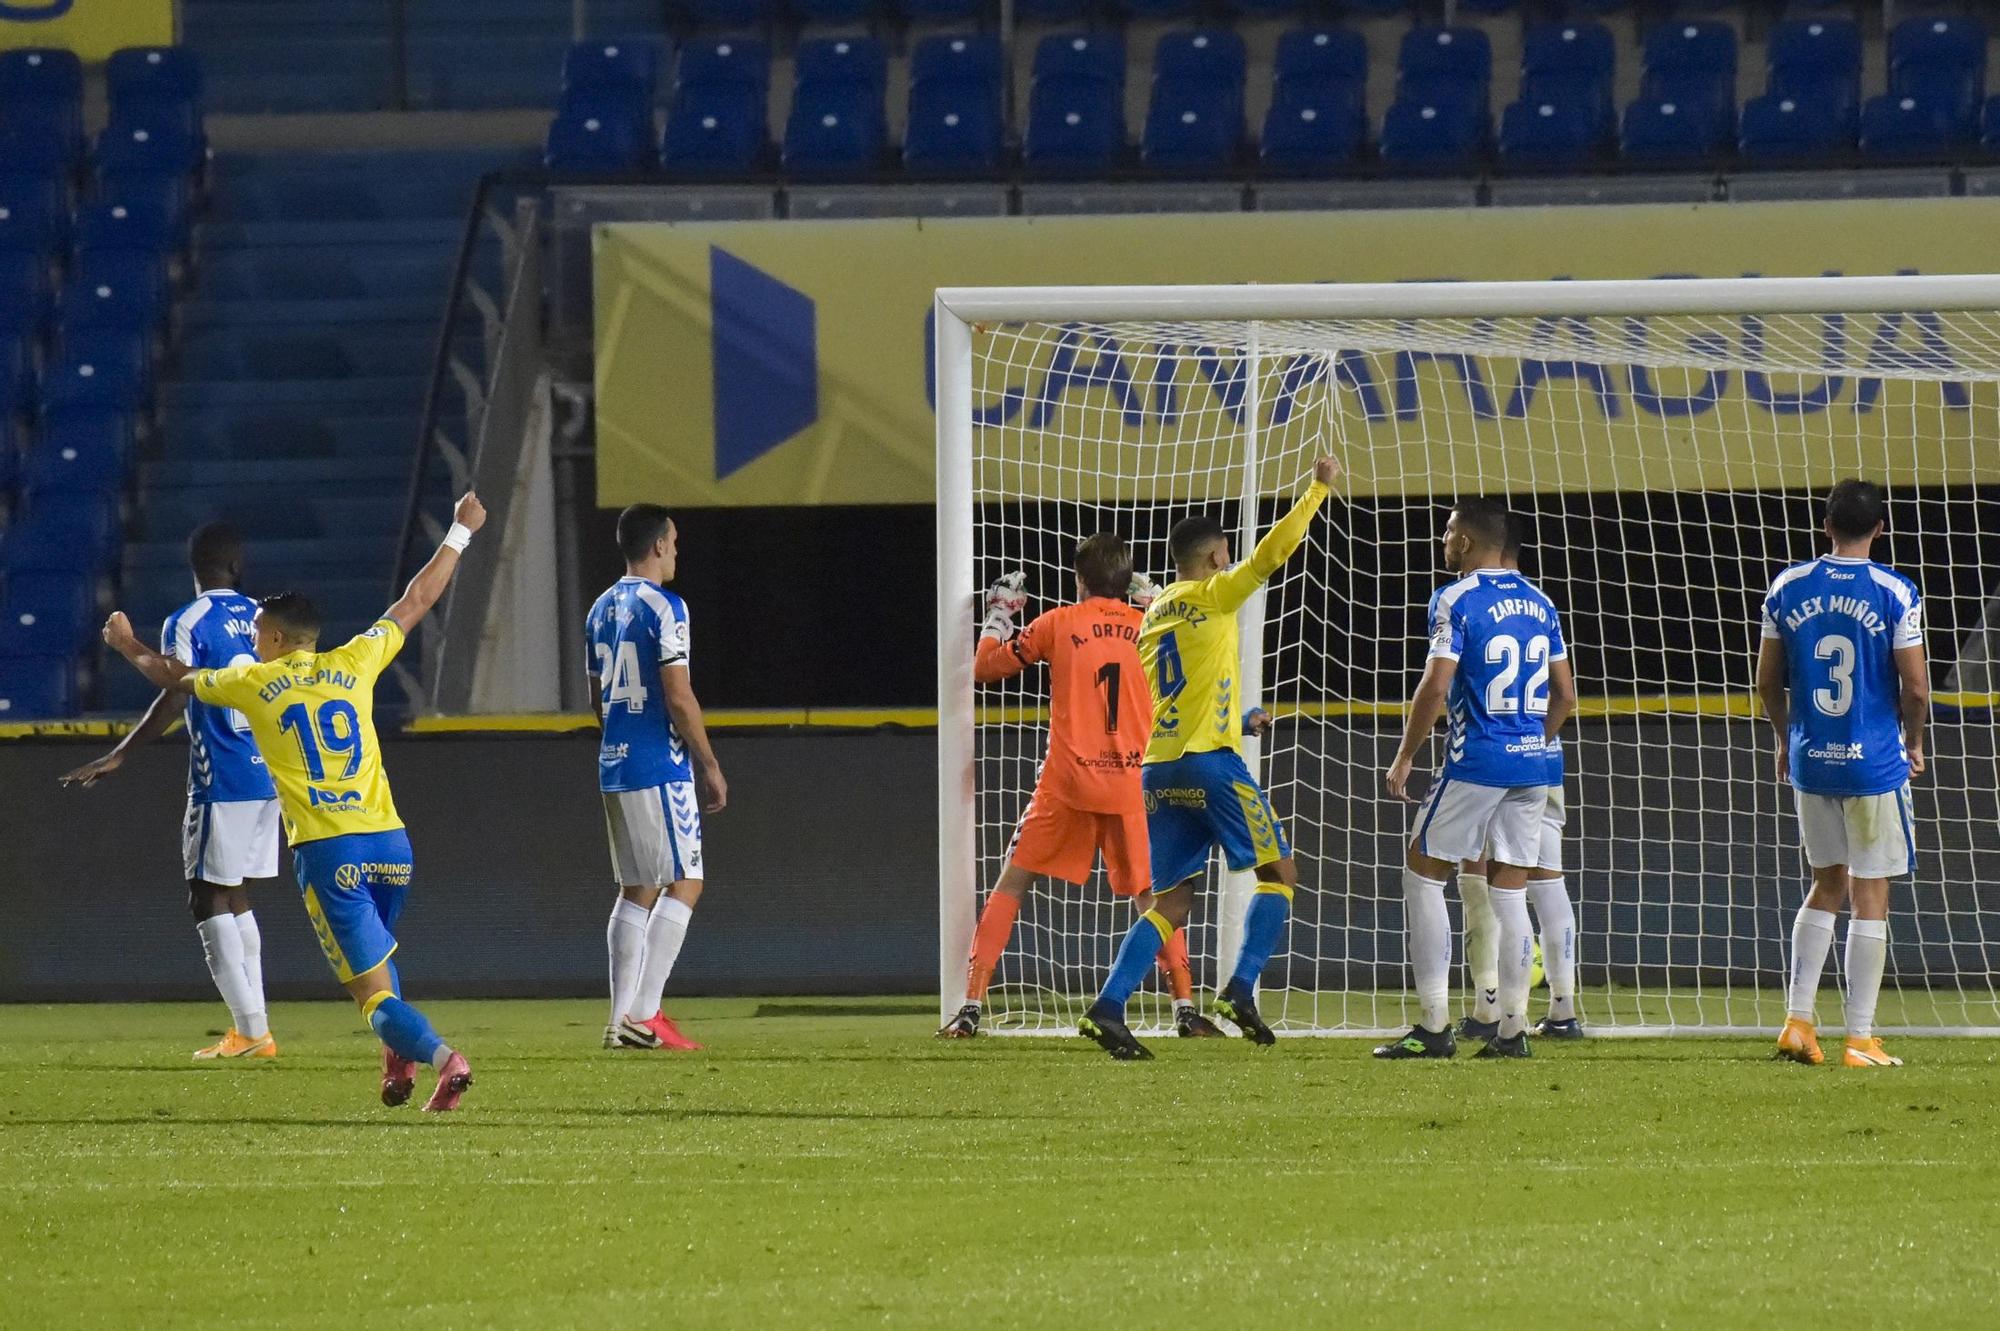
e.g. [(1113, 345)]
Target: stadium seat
[(129, 148), (114, 289), (63, 533), (954, 127), (1318, 66), (830, 12), (1432, 135), (30, 154), (1075, 127), (1155, 11), (75, 464), (1989, 125), (968, 57), (1200, 58), (17, 384), (580, 142), (1815, 60), (1081, 56), (1447, 55), (1195, 118), (48, 612), (1549, 134), (34, 215), (942, 11), (1940, 61), (627, 64), (628, 111), (1691, 64), (835, 130), (853, 61), (140, 75), (1896, 126), (1780, 128), (24, 291), (42, 88), (10, 447), (1444, 75), (101, 375), (718, 122), (1668, 133), (1308, 131), (736, 14), (36, 688), (124, 228), (1571, 64)]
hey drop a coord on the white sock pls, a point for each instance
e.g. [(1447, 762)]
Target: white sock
[(441, 1057), (625, 939), (222, 946), (1867, 950), (1430, 946), (1557, 918), (1482, 945), (1812, 939), (666, 930), (1183, 1005), (254, 1024), (1517, 956)]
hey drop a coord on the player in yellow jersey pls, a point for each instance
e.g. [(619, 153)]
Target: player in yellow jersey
[(312, 715), (1199, 792)]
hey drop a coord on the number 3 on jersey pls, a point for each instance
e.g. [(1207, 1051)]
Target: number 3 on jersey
[(619, 679), (1838, 696)]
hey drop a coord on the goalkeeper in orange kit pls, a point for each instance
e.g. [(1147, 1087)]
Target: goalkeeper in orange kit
[(1088, 800)]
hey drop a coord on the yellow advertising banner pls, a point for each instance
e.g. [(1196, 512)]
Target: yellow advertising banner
[(776, 363), (91, 28)]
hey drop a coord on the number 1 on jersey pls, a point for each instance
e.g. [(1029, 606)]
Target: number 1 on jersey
[(1110, 676)]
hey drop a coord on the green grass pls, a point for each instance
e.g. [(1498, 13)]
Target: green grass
[(829, 1165)]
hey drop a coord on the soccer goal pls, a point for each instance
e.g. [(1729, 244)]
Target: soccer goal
[(1667, 444)]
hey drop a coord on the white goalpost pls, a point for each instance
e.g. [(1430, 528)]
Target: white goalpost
[(1667, 445)]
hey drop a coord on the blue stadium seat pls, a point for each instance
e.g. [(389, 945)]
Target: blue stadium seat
[(1896, 126), (1200, 57), (17, 382), (114, 289), (25, 301), (140, 75), (1192, 129), (1156, 10), (630, 109), (830, 61), (58, 607), (1989, 125), (1816, 62), (969, 57), (1458, 55), (1310, 130), (731, 13), (835, 130), (1315, 69), (1089, 56), (1443, 74), (1265, 8), (30, 154), (581, 142), (36, 688), (1940, 60), (10, 447), (942, 11), (36, 215), (1075, 126), (1432, 134), (1670, 133), (1571, 65), (954, 126), (42, 88), (135, 148), (124, 227), (63, 533), (725, 62), (830, 12), (88, 429), (626, 63), (1777, 128), (1315, 55), (100, 373), (75, 465), (1692, 64), (718, 124), (1549, 134)]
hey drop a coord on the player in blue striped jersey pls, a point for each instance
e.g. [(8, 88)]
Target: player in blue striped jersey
[(1499, 662), (657, 773), (1843, 680), (230, 833)]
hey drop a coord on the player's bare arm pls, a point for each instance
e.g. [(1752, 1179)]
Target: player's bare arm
[(688, 724), (164, 711), (431, 580), (1562, 698), (1426, 709), (1773, 692), (163, 672), (1915, 702)]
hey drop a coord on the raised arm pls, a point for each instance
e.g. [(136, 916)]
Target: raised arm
[(165, 708), (1915, 703), (1772, 691), (1426, 707), (163, 672), (431, 580), (1233, 587), (693, 730)]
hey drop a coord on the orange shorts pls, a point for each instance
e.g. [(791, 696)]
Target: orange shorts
[(1062, 842)]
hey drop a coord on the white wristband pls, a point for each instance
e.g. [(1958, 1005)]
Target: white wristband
[(458, 537)]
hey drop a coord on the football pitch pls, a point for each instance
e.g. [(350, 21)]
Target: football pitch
[(825, 1163)]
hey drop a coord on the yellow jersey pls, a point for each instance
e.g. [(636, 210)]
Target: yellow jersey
[(1188, 645), (313, 717)]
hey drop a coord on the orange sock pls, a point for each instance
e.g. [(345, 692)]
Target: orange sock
[(989, 940), (1174, 961)]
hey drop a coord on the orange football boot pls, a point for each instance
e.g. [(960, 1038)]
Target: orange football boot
[(1799, 1042)]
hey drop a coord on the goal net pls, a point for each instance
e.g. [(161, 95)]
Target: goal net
[(1667, 446)]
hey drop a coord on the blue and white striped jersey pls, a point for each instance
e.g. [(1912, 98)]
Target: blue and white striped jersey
[(1504, 634), (635, 628), (1841, 621), (211, 632)]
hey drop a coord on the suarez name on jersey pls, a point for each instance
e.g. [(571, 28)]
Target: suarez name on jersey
[(313, 716), (1504, 634), (636, 627), (211, 631), (1099, 709), (1841, 621)]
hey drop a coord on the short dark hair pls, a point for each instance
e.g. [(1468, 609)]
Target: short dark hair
[(1485, 519), (1855, 508), (639, 527), (294, 614), (1104, 565), (1192, 535), (215, 554)]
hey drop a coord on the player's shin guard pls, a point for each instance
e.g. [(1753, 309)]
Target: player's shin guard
[(1143, 941), (666, 930), (1482, 945), (252, 939), (1174, 962), (1557, 918), (1517, 957), (1263, 928), (625, 943), (1812, 939), (989, 942), (1867, 951), (404, 1029), (1430, 947)]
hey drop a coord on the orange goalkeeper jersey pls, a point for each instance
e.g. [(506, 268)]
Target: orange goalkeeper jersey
[(1100, 711)]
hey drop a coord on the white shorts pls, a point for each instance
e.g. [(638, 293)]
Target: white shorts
[(655, 834), (1462, 821), (1873, 835), (1553, 819), (224, 844)]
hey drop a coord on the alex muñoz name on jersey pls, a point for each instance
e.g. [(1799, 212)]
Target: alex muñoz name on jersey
[(1504, 634), (634, 629), (211, 632), (1840, 622)]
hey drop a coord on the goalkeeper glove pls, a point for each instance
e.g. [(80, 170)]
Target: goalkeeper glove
[(1004, 600), (1143, 591), (1256, 721)]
